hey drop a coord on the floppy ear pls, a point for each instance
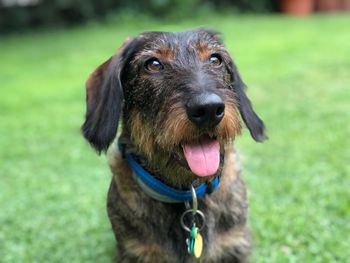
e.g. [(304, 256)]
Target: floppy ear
[(104, 99), (254, 124)]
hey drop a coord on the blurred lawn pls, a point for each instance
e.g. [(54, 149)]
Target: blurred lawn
[(53, 186)]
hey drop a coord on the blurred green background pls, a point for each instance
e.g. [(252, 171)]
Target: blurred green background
[(53, 186), (19, 14)]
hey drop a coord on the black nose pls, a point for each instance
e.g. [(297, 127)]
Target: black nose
[(205, 110)]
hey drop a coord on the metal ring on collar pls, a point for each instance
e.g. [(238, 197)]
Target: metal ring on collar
[(198, 212)]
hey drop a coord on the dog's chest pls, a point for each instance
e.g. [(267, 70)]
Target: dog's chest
[(146, 228), (153, 223)]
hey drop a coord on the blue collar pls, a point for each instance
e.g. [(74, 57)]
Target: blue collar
[(159, 190)]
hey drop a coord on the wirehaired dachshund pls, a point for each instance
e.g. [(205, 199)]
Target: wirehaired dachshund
[(176, 193)]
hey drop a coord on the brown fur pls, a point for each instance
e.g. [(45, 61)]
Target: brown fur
[(148, 252), (95, 80), (142, 134), (166, 54), (203, 51)]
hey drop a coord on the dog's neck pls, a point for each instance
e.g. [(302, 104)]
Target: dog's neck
[(163, 166)]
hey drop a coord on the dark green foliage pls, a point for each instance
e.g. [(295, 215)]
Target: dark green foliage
[(58, 12), (53, 12)]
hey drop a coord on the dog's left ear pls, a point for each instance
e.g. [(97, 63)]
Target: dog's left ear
[(254, 124), (104, 99)]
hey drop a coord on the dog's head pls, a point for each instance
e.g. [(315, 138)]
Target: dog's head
[(179, 94)]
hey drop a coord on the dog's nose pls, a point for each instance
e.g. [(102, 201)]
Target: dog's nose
[(205, 110)]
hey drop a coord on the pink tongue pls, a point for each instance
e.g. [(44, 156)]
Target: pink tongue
[(203, 158)]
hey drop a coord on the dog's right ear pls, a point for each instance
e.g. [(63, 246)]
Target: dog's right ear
[(104, 99)]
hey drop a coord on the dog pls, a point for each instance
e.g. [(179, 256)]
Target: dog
[(177, 194)]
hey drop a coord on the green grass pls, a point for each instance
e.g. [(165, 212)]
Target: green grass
[(53, 186)]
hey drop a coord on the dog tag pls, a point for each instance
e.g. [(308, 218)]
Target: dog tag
[(190, 245), (191, 240), (198, 244)]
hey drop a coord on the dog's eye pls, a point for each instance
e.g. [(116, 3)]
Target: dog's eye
[(215, 60), (153, 65)]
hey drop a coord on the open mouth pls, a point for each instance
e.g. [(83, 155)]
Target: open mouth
[(203, 156)]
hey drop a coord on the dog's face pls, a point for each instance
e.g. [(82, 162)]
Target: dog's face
[(180, 94)]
